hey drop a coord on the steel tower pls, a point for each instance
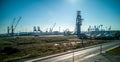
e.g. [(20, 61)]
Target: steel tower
[(78, 24)]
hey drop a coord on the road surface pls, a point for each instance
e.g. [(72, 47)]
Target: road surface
[(78, 56)]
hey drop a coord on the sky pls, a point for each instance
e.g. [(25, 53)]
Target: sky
[(45, 13)]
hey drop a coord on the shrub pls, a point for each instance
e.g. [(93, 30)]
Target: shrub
[(10, 50)]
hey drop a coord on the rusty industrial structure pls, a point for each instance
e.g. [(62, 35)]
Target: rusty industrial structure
[(78, 24)]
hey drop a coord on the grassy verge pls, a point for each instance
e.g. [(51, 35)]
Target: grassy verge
[(115, 51)]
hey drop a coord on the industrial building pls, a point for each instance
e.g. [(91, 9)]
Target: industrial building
[(93, 32)]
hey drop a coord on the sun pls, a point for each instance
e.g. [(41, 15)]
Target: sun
[(73, 2)]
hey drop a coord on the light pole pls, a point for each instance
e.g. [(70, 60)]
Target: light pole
[(100, 48), (82, 42), (73, 54)]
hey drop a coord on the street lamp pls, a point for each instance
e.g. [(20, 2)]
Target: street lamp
[(100, 48)]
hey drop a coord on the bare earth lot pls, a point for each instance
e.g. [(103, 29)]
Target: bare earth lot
[(16, 48)]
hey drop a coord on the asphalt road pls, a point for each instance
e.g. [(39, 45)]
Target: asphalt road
[(78, 56)]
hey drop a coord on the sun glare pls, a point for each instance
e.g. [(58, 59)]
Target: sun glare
[(73, 2)]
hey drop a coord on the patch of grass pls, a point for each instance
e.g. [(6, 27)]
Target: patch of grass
[(115, 51), (11, 59), (10, 50), (4, 42)]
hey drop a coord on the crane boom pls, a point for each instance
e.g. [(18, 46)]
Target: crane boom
[(17, 22), (13, 26), (53, 26)]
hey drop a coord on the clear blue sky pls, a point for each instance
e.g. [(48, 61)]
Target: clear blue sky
[(45, 13)]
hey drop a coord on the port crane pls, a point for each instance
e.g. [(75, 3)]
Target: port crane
[(51, 29), (13, 26)]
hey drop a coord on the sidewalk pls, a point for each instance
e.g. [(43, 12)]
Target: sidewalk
[(103, 58)]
